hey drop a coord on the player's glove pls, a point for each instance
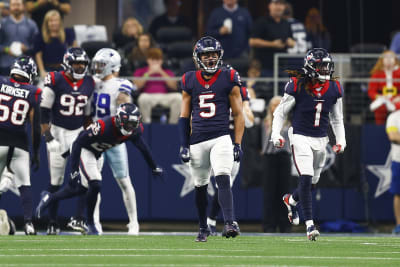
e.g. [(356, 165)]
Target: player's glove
[(338, 148), (184, 154), (237, 152), (75, 179), (157, 171), (35, 161), (278, 141)]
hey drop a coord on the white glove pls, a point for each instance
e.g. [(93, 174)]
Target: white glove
[(379, 101), (54, 146), (389, 105), (278, 141)]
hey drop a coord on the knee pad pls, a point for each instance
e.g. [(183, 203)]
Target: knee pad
[(223, 181)]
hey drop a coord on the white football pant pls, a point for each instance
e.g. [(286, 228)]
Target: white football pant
[(19, 165)]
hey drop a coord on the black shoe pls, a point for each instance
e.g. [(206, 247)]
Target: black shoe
[(203, 234), (77, 225), (53, 229), (29, 229), (231, 229)]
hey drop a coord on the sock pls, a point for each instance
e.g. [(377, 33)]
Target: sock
[(225, 197), (67, 192), (91, 199), (295, 195), (292, 201), (53, 207), (305, 196), (26, 201), (215, 208), (129, 197), (201, 204), (80, 207), (309, 223)]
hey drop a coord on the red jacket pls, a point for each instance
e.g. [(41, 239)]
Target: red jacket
[(376, 88)]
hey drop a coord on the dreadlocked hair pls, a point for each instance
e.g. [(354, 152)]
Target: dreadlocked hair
[(304, 79)]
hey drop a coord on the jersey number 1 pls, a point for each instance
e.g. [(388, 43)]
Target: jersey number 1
[(318, 109)]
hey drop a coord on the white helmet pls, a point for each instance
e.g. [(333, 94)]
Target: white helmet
[(105, 62)]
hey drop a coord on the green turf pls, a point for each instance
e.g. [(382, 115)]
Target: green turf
[(183, 251)]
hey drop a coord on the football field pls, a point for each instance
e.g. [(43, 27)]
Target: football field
[(163, 249)]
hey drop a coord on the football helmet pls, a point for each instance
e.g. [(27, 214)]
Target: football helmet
[(105, 62), (206, 45), (318, 64), (26, 67), (128, 118), (76, 55)]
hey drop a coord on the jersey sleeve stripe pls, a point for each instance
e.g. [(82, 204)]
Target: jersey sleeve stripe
[(126, 86), (37, 94), (53, 79), (102, 126), (124, 89), (339, 88), (232, 75), (244, 92), (294, 83), (392, 129), (184, 80)]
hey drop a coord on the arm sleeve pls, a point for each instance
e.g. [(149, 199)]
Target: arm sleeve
[(48, 97), (126, 87), (141, 144), (373, 88), (280, 114), (336, 119)]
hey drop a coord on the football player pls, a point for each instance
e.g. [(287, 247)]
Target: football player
[(207, 96), (316, 99), (19, 103), (86, 158), (248, 122), (64, 108), (110, 92)]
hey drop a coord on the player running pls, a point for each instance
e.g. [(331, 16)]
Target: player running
[(19, 103), (316, 99), (207, 96)]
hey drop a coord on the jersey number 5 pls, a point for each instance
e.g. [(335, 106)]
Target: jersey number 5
[(209, 106)]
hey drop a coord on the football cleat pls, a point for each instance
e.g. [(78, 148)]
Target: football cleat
[(293, 215), (92, 230), (202, 235), (231, 229), (29, 229), (77, 225), (312, 233), (53, 229), (4, 223), (44, 201), (396, 230), (133, 228)]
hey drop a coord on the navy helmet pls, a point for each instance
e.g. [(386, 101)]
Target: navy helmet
[(76, 55), (318, 64), (24, 66), (128, 118), (206, 45)]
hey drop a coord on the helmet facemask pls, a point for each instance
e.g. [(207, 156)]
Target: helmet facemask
[(78, 72), (99, 69), (211, 63)]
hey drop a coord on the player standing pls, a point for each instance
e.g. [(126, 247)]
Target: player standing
[(110, 92), (63, 112), (316, 99), (207, 96), (19, 103), (87, 160)]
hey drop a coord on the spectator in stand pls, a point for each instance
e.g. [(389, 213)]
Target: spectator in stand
[(13, 45), (154, 93), (125, 38), (276, 182), (39, 8), (384, 94), (395, 44), (138, 56), (316, 30), (299, 33), (261, 89), (231, 25), (52, 43), (271, 34), (169, 19)]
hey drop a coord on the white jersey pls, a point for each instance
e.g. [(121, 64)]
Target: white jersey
[(393, 125), (105, 95)]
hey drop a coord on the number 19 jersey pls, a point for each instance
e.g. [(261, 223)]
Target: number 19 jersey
[(210, 102), (67, 99), (105, 95)]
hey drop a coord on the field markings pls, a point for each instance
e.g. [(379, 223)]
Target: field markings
[(127, 249), (207, 256), (141, 264)]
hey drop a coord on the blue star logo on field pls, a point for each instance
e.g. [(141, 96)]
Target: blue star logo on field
[(384, 174), (188, 185)]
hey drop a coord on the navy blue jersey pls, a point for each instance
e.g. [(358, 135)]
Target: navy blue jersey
[(16, 101), (311, 111), (104, 134), (71, 98), (210, 102)]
